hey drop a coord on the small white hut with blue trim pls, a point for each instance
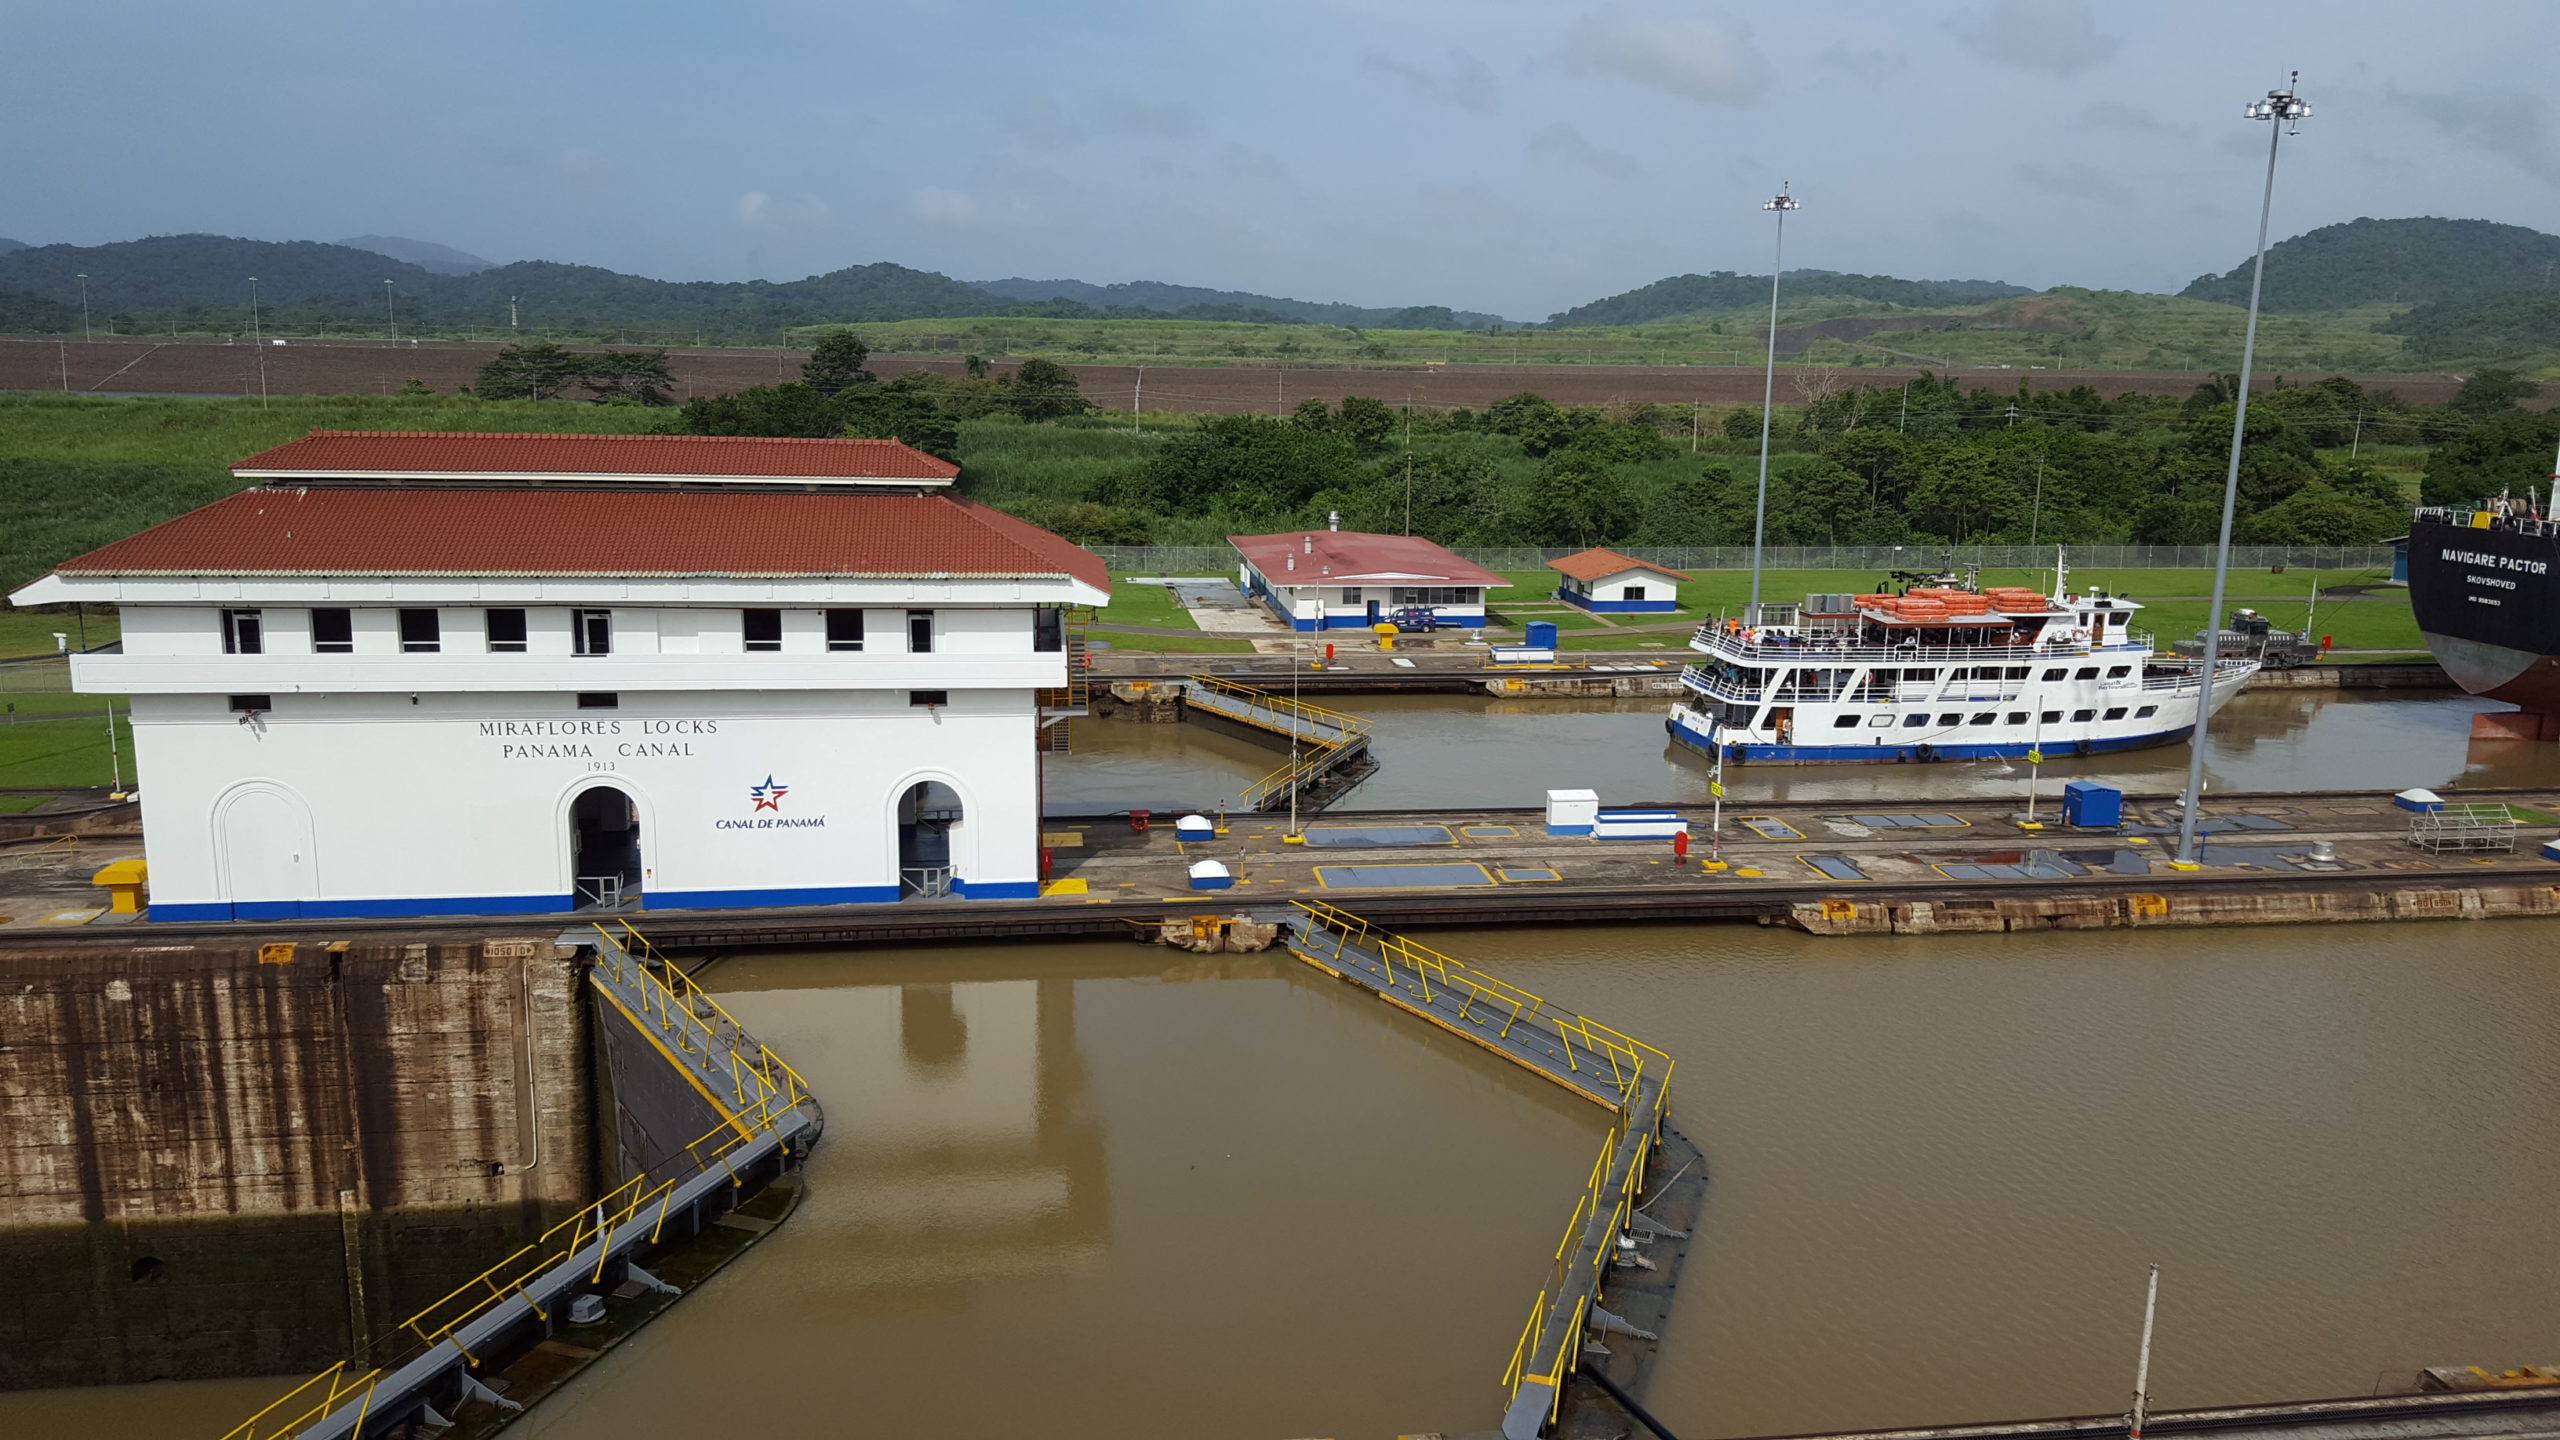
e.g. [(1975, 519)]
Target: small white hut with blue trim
[(1608, 583)]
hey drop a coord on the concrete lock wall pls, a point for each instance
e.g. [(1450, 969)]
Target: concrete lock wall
[(214, 1162), (374, 804)]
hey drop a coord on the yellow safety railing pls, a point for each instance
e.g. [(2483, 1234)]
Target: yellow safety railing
[(1328, 731), (685, 1013), (1604, 1051), (1281, 705), (765, 1088)]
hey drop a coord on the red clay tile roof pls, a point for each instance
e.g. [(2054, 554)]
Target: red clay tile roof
[(1592, 565), (1347, 556), (437, 454), (537, 530)]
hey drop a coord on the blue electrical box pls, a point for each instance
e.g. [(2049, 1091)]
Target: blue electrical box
[(2090, 806), (1542, 635)]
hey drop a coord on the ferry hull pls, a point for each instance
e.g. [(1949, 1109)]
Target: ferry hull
[(1740, 753)]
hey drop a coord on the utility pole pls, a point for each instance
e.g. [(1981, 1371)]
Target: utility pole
[(257, 337), (389, 309), (85, 336), (1693, 427), (1408, 462), (2285, 110), (1136, 398), (2035, 518), (1768, 398), (2142, 1366), (2355, 441)]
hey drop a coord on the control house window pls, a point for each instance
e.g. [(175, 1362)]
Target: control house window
[(243, 633), (919, 632), (418, 632), (763, 629), (928, 699), (1048, 629), (591, 631), (844, 629), (506, 631), (599, 700), (333, 632)]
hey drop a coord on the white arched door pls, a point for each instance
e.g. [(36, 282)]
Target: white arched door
[(268, 865)]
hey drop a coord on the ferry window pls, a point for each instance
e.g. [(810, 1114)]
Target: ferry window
[(506, 630), (1845, 722), (1986, 672), (419, 633), (2017, 717), (2085, 672), (1919, 674), (333, 632), (844, 629), (243, 633), (599, 700), (2017, 672), (1984, 718), (2115, 712), (1048, 629), (2050, 717), (919, 632), (1949, 722), (1914, 722), (2083, 717), (2056, 674), (1881, 722), (591, 631), (2118, 672), (2146, 712), (763, 629)]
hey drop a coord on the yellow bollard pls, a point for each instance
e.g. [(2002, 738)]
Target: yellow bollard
[(124, 880)]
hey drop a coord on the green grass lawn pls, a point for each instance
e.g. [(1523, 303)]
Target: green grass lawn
[(55, 702), (20, 804), (30, 632), (1194, 644), (1143, 605), (62, 752)]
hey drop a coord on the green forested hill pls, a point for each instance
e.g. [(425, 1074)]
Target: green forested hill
[(2510, 325), (2392, 262), (1724, 290)]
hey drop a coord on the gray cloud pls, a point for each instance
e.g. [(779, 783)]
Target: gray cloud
[(2061, 36), (1566, 148), (1127, 115), (1706, 58), (1468, 84), (1247, 166), (1038, 121), (2076, 179), (2512, 123), (1873, 63), (2108, 115)]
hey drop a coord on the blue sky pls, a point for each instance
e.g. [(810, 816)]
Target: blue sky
[(1488, 155)]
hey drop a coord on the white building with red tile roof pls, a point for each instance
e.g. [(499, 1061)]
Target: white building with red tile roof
[(1613, 584), (1343, 579), (480, 674)]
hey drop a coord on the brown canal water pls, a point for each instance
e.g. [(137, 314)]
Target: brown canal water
[(1449, 751), (1099, 1191)]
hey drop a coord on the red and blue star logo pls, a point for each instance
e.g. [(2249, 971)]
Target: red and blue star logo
[(768, 796)]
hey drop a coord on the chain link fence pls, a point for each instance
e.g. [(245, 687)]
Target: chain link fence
[(1221, 559)]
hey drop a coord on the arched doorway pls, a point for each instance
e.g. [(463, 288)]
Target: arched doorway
[(927, 814), (266, 853), (604, 846)]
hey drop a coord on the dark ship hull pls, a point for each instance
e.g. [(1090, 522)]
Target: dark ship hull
[(2488, 603)]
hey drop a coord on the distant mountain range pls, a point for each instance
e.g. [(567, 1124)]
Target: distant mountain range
[(1193, 299), (1724, 290), (2467, 289), (425, 254)]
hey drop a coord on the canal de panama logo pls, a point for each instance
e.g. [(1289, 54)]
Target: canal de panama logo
[(766, 796)]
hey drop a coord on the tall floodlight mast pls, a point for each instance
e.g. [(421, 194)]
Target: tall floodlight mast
[(2286, 111), (1768, 397)]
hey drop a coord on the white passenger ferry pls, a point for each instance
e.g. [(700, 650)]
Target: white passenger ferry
[(1948, 671)]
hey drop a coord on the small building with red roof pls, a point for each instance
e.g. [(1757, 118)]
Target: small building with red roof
[(1343, 579), (1609, 583), (439, 674)]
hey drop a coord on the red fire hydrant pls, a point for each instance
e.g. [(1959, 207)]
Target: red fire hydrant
[(1680, 847)]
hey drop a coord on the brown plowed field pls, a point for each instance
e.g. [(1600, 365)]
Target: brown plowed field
[(130, 365)]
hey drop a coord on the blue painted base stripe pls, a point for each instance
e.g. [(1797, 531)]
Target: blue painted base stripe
[(1887, 754), (774, 895), (997, 889)]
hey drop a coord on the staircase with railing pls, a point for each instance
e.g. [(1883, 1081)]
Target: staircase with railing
[(1063, 705)]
